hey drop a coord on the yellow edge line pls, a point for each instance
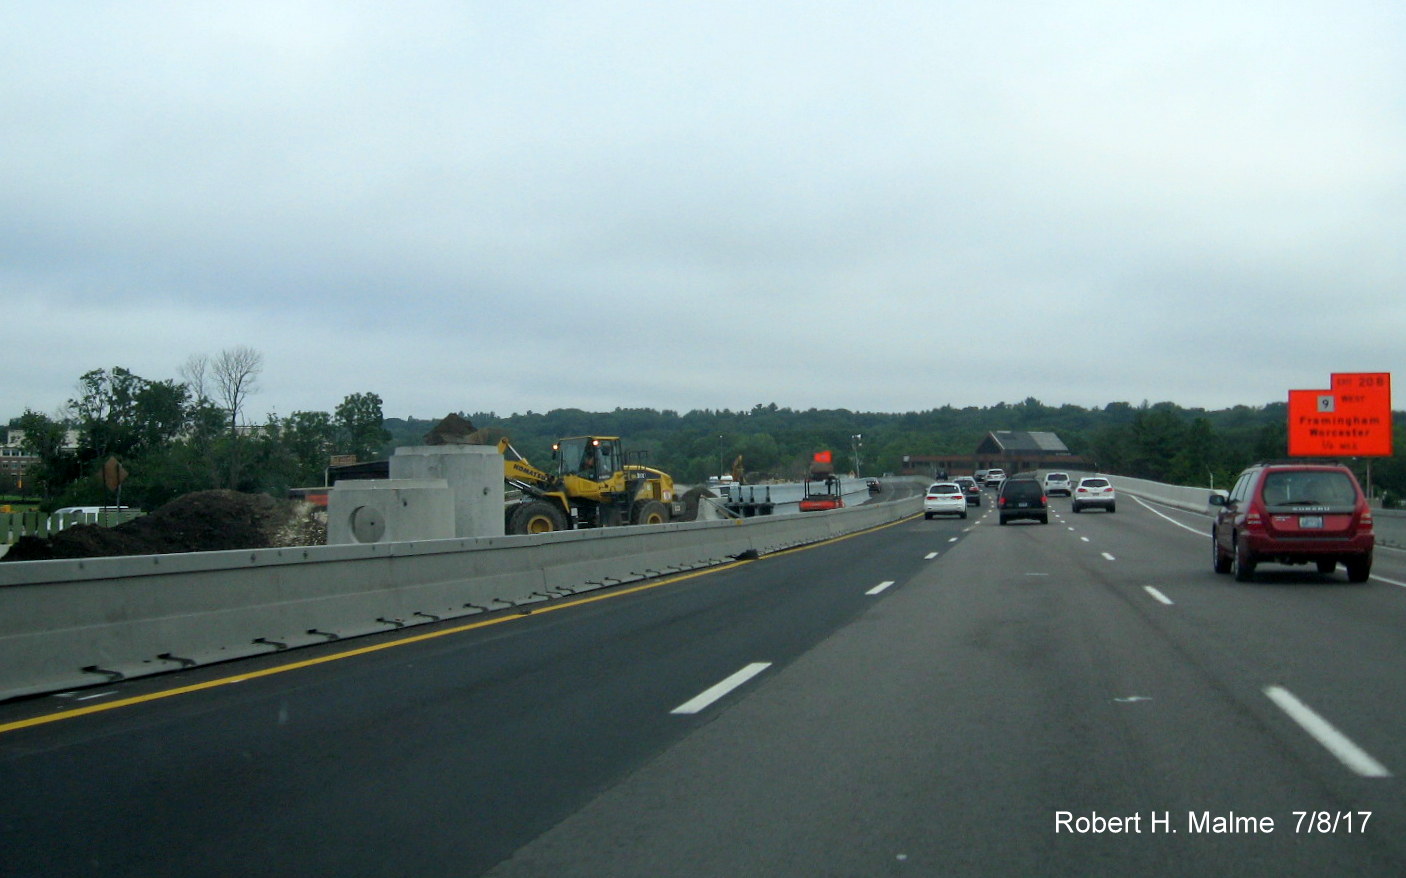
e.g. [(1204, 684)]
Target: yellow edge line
[(45, 719)]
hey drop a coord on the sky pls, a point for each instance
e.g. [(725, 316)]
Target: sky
[(876, 206)]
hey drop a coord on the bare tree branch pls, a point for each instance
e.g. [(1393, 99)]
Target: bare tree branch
[(236, 372), (196, 375)]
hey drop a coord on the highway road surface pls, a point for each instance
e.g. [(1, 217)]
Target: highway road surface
[(930, 698)]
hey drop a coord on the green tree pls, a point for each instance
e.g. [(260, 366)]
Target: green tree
[(44, 437), (360, 426), (1195, 461), (310, 438), (121, 414), (1157, 433)]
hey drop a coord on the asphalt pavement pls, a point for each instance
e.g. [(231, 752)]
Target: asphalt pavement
[(945, 697)]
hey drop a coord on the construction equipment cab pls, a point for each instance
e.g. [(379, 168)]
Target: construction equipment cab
[(822, 487), (591, 485)]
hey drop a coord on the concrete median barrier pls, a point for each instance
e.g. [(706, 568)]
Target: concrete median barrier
[(67, 624)]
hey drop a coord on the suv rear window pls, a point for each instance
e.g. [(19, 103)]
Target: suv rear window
[(1022, 489), (1308, 488), (1096, 483)]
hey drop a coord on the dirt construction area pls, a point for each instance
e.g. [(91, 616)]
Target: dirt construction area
[(206, 521)]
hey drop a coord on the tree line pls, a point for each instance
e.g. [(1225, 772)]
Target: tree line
[(175, 436), (1161, 441)]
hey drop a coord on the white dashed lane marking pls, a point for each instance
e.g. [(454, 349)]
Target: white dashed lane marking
[(708, 696)]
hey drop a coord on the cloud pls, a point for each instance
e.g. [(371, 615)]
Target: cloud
[(706, 205)]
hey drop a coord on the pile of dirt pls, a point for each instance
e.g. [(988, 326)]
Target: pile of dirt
[(206, 521)]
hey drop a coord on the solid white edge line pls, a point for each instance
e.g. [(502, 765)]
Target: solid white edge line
[(1156, 593), (713, 693), (1348, 753), (880, 587), (1204, 533), (1201, 533)]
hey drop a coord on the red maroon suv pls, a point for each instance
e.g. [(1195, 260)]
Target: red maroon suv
[(1293, 513)]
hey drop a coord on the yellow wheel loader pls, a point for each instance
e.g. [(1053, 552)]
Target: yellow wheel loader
[(592, 486)]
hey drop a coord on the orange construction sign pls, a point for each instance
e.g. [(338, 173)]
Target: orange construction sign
[(1350, 419)]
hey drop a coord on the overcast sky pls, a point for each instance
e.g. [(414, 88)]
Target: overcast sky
[(880, 206)]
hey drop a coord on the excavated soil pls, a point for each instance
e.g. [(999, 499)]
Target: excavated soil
[(206, 521)]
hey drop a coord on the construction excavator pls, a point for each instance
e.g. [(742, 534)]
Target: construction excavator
[(592, 485)]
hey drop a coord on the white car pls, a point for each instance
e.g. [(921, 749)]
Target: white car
[(994, 477), (1058, 483), (1094, 491), (945, 498)]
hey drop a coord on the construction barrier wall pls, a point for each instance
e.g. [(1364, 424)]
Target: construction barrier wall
[(73, 623)]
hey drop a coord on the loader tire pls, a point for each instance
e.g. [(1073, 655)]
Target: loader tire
[(651, 512), (536, 517)]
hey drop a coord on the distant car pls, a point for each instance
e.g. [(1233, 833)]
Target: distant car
[(980, 477), (1293, 513), (994, 477), (1058, 483), (971, 489), (945, 498), (873, 485), (1094, 492), (1022, 498)]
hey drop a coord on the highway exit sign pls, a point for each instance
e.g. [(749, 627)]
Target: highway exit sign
[(1352, 418)]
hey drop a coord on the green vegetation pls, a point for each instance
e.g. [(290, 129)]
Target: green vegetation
[(174, 437), (1160, 441)]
